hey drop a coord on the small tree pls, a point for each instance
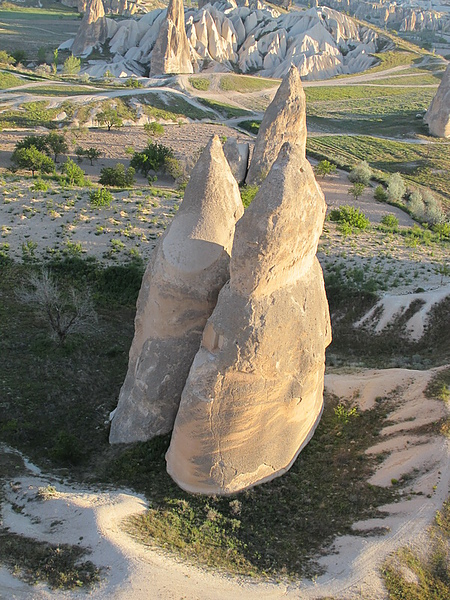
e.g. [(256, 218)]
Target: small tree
[(356, 190), (109, 117), (72, 173), (117, 176), (152, 158), (92, 154), (65, 311), (361, 173), (32, 159), (396, 188), (56, 142), (416, 205), (71, 65), (154, 129), (324, 168), (19, 56), (38, 141)]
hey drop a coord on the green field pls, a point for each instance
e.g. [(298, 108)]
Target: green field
[(245, 84), (424, 164)]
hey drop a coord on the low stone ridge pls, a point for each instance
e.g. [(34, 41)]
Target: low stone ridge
[(437, 116), (284, 121), (254, 394), (171, 53), (93, 29), (179, 291)]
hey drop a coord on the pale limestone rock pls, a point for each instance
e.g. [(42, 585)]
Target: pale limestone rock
[(171, 53), (254, 394), (438, 114), (237, 155), (284, 121), (93, 28), (179, 291)]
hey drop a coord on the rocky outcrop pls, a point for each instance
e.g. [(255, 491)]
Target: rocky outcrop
[(320, 41), (284, 121), (437, 116), (237, 155), (254, 394), (93, 29), (179, 291), (171, 53)]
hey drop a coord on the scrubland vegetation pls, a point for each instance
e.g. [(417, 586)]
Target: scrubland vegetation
[(58, 414)]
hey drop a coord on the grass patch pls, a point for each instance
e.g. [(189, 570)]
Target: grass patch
[(171, 106), (225, 110), (35, 561), (200, 83), (59, 90), (439, 386), (31, 114), (423, 164), (245, 83), (8, 80), (250, 126), (424, 574), (274, 529)]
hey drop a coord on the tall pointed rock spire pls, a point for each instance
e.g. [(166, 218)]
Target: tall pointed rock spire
[(284, 121), (171, 53), (179, 291)]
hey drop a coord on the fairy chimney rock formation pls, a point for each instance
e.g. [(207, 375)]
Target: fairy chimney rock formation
[(93, 28), (178, 293), (254, 394), (284, 121), (171, 53), (438, 114), (237, 156)]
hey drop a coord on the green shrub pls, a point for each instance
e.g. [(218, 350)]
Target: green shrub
[(396, 188), (356, 190), (5, 58), (248, 192), (101, 197), (40, 185), (72, 174), (324, 168), (350, 215), (71, 65), (152, 158), (117, 176), (361, 173), (390, 221), (250, 126), (380, 194), (154, 129)]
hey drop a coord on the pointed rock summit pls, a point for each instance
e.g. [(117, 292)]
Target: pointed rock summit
[(438, 115), (171, 53), (254, 394), (93, 28), (284, 121), (179, 291)]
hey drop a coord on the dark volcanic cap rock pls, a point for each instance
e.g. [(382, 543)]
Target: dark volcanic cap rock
[(438, 115), (171, 53), (284, 121), (93, 28), (178, 293), (254, 394)]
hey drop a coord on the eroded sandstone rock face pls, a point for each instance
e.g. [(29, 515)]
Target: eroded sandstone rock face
[(284, 121), (93, 28), (237, 156), (254, 394), (179, 291), (171, 53), (438, 115)]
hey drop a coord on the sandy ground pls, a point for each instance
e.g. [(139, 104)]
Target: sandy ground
[(92, 518)]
